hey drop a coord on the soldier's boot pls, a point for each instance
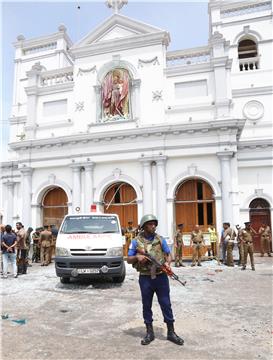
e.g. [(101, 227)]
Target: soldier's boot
[(177, 264), (181, 264), (149, 337), (269, 254), (172, 336), (199, 264), (24, 268), (19, 269), (253, 268), (244, 267)]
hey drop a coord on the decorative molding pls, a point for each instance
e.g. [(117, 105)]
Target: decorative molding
[(153, 61), (253, 110), (86, 71), (79, 106), (157, 95), (253, 91), (230, 124), (116, 173), (244, 10)]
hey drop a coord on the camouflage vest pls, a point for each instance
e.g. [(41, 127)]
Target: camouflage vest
[(153, 248)]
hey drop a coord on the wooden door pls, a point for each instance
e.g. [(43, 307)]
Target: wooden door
[(54, 206), (259, 213), (194, 204), (121, 199)]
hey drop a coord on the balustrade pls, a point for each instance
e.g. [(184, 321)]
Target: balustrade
[(249, 64)]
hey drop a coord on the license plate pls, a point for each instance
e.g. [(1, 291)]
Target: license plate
[(88, 271)]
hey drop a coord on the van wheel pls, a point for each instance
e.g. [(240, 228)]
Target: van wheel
[(65, 280)]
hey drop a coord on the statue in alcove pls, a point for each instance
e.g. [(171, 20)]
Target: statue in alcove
[(115, 94)]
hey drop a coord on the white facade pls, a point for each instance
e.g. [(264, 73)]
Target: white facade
[(193, 114)]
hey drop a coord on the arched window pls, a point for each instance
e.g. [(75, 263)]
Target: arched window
[(248, 55)]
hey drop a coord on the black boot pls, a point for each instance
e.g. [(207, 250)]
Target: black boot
[(149, 337), (172, 335)]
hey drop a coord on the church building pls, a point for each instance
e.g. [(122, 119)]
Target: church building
[(118, 121)]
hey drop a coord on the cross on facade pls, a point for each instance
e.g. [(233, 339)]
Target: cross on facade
[(116, 5)]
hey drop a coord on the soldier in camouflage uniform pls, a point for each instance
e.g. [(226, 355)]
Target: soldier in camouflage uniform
[(265, 233), (247, 238), (178, 246), (197, 243), (45, 244), (153, 280), (36, 247)]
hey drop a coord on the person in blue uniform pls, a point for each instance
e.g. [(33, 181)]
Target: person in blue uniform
[(153, 280)]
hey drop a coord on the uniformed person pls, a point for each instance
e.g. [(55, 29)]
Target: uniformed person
[(247, 238), (45, 244), (228, 238), (54, 232), (36, 246), (178, 246), (265, 233), (153, 280), (21, 249), (240, 244), (197, 243)]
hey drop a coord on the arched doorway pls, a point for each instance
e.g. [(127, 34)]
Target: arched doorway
[(194, 204), (120, 198), (259, 212), (54, 205)]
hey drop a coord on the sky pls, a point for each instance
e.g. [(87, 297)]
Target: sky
[(186, 21)]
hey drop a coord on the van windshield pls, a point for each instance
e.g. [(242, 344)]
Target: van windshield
[(90, 224)]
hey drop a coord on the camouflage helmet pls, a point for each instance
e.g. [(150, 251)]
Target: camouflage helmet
[(147, 218)]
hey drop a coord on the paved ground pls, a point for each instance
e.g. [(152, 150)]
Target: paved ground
[(221, 315)]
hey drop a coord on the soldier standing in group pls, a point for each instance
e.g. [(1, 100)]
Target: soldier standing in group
[(54, 232), (265, 233), (151, 282), (21, 249), (36, 246), (240, 245), (197, 243), (45, 244), (228, 237), (178, 246), (247, 238)]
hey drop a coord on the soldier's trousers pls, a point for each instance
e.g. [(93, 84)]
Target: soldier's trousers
[(21, 261), (230, 261), (241, 253), (178, 254), (160, 286), (265, 245), (45, 255), (36, 252), (248, 249), (196, 253)]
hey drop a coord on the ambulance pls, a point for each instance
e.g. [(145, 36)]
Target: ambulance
[(90, 246)]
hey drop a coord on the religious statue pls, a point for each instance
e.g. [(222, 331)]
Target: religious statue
[(115, 94)]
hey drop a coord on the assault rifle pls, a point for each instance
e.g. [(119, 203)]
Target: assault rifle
[(166, 269)]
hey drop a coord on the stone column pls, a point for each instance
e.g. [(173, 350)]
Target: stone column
[(76, 188), (225, 159), (26, 192), (89, 185), (161, 196), (10, 198), (135, 87), (97, 89), (147, 186)]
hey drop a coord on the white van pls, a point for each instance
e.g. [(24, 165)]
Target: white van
[(90, 246)]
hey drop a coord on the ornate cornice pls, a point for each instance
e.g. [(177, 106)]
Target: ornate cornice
[(116, 45), (254, 91), (158, 131)]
